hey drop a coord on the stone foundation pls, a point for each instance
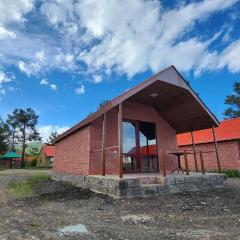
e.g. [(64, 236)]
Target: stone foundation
[(133, 186)]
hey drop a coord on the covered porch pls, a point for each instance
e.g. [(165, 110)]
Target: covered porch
[(143, 145)]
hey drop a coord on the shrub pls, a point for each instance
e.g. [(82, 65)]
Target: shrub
[(29, 164), (232, 173)]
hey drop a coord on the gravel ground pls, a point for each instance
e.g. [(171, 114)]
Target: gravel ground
[(59, 211)]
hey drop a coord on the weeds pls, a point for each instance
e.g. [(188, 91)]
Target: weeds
[(25, 188)]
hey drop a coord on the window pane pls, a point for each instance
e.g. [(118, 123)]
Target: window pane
[(148, 147), (129, 138), (148, 143)]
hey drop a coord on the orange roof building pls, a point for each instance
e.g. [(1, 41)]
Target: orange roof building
[(46, 156), (228, 138)]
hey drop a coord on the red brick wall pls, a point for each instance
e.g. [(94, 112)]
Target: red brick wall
[(135, 111), (80, 153), (112, 163), (72, 153), (229, 152)]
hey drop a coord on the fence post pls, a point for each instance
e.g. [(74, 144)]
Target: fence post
[(194, 152), (186, 162), (202, 162)]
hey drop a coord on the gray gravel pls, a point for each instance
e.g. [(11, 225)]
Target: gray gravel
[(56, 207)]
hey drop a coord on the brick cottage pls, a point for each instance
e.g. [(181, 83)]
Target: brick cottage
[(228, 137), (134, 132)]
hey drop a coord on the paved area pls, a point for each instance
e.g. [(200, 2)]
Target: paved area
[(59, 211)]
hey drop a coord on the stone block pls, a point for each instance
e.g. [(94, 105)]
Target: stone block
[(133, 182), (170, 180)]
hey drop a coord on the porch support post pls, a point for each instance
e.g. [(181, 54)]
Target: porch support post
[(120, 140), (186, 162), (194, 152), (202, 162), (216, 148), (163, 161), (103, 143)]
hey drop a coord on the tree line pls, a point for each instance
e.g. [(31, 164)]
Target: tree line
[(19, 129)]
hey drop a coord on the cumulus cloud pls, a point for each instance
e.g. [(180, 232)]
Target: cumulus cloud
[(45, 82), (4, 78), (145, 37), (230, 57), (80, 89), (53, 87), (105, 37), (46, 130), (97, 79), (13, 12)]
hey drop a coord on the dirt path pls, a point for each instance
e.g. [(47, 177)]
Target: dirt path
[(59, 211)]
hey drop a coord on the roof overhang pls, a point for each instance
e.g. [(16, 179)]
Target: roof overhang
[(171, 96), (177, 105)]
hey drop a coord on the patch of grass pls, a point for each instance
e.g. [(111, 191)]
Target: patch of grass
[(230, 173), (25, 188)]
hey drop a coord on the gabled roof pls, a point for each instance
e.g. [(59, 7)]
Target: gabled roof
[(227, 130), (49, 150), (176, 102), (10, 155)]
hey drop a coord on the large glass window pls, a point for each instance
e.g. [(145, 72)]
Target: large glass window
[(148, 147), (139, 147), (129, 147)]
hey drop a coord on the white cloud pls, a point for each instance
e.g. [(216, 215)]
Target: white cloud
[(40, 56), (80, 90), (230, 57), (53, 87), (145, 36), (44, 81), (13, 12), (97, 79), (6, 34), (4, 77), (46, 130), (124, 37)]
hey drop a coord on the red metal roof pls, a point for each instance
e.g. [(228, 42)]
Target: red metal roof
[(228, 130), (49, 151)]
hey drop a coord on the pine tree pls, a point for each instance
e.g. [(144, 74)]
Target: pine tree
[(234, 101)]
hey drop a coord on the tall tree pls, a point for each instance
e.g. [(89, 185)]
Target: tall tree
[(234, 102), (26, 127), (52, 137), (12, 123), (103, 103), (3, 136)]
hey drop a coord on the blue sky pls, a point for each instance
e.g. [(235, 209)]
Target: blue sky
[(64, 57)]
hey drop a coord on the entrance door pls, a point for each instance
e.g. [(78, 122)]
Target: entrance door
[(139, 147), (148, 154)]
